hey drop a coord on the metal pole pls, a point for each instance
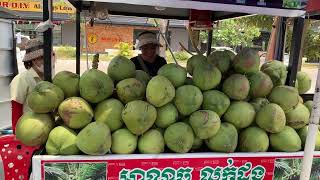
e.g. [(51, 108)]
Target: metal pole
[(47, 41), (312, 133), (210, 34), (295, 50), (78, 44), (280, 42)]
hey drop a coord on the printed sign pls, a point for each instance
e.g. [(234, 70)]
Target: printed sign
[(180, 167)]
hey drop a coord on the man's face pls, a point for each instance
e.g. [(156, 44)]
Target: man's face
[(149, 50)]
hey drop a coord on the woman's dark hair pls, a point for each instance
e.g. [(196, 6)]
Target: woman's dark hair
[(146, 32), (27, 64)]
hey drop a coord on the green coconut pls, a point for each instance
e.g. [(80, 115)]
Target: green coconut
[(33, 129), (260, 85), (215, 101), (304, 82), (62, 141), (130, 89), (94, 139), (160, 91), (109, 112), (309, 105), (75, 112), (221, 59), (205, 123), (174, 73), (121, 68), (179, 137), (188, 99), (151, 142), (246, 61), (271, 118), (95, 86), (123, 142), (241, 114), (142, 77), (206, 77), (276, 70), (195, 61), (303, 132), (253, 139), (286, 140), (298, 117), (68, 82), (166, 115), (286, 97), (258, 103), (139, 116), (237, 87), (225, 140)]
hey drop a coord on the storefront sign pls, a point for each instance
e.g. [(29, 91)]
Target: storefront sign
[(60, 6), (193, 166)]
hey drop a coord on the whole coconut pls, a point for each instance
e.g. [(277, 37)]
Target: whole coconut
[(206, 77), (225, 140), (68, 82), (95, 86), (205, 123), (260, 84), (304, 82), (166, 115), (253, 139), (221, 59), (109, 112), (215, 101), (174, 73), (188, 99), (298, 117), (142, 77), (271, 118), (195, 61), (286, 97), (45, 97), (160, 91), (276, 70), (94, 139), (62, 141), (130, 89), (179, 137), (139, 116), (33, 129), (287, 140), (303, 132), (152, 142), (121, 68), (197, 143), (75, 112), (123, 142), (258, 103), (246, 61), (241, 114), (237, 87)]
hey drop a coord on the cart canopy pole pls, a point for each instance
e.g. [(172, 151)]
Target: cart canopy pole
[(78, 31), (295, 50), (47, 40), (209, 44)]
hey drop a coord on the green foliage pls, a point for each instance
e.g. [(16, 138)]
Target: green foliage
[(311, 44), (179, 55), (75, 171), (260, 21), (232, 33), (291, 3), (125, 49)]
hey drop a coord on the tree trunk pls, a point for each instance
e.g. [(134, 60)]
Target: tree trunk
[(163, 28)]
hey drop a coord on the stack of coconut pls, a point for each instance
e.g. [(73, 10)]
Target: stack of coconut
[(227, 105)]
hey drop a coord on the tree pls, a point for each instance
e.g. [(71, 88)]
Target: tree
[(232, 33)]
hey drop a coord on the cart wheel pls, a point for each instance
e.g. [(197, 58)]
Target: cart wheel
[(16, 158)]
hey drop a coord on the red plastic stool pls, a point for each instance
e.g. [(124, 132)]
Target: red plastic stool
[(16, 158)]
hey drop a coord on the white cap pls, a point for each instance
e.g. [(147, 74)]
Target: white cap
[(147, 38)]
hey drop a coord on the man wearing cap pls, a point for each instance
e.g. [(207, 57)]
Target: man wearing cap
[(148, 61), (22, 84)]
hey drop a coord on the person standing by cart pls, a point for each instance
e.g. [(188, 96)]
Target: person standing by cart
[(148, 61), (23, 83)]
